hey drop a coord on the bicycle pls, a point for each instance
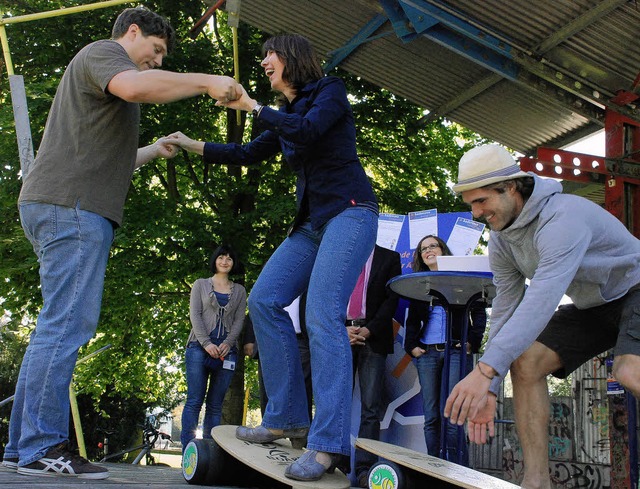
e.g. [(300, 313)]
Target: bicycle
[(150, 436)]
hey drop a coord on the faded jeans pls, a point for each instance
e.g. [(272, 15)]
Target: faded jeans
[(72, 246), (328, 261)]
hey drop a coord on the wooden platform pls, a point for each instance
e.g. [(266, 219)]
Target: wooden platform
[(123, 476)]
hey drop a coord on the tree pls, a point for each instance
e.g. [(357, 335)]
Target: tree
[(178, 210)]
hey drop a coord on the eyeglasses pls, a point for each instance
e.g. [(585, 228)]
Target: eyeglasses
[(429, 247)]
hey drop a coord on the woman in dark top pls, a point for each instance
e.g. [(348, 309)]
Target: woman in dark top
[(425, 337), (331, 238)]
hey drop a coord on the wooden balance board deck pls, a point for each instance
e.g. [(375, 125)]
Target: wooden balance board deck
[(428, 467), (271, 459)]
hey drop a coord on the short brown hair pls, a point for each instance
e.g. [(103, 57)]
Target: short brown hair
[(301, 64), (150, 23)]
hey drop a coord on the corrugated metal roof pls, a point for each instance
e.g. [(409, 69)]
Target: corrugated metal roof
[(558, 63)]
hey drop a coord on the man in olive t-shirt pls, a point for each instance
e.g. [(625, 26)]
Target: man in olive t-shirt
[(71, 201)]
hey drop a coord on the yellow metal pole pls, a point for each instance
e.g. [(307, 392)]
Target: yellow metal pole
[(62, 11), (5, 50), (45, 15), (245, 407), (236, 64), (75, 413)]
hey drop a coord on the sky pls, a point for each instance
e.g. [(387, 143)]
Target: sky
[(592, 145)]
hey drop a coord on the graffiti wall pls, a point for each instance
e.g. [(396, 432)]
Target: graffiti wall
[(566, 469)]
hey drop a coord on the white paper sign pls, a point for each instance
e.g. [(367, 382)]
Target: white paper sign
[(389, 227), (465, 236), (422, 223)]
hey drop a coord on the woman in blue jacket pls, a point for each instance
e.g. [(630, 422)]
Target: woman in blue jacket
[(425, 336), (331, 238)]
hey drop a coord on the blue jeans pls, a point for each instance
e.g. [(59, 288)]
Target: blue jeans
[(198, 376), (72, 246), (430, 368), (371, 368), (327, 261)]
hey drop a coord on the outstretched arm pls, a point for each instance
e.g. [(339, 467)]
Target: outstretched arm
[(159, 86), (186, 143)]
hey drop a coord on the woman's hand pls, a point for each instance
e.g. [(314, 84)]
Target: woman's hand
[(212, 350), (223, 349), (185, 142), (417, 352)]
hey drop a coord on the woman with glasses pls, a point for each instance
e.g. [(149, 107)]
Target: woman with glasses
[(425, 337), (217, 309), (331, 238)]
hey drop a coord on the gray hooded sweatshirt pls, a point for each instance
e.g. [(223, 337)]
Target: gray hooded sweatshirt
[(564, 244)]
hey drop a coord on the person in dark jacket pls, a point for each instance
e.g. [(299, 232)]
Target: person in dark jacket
[(370, 327), (331, 238), (425, 337)]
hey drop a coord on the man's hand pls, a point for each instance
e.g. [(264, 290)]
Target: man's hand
[(468, 396), (249, 349), (165, 148), (355, 338), (417, 352), (225, 89), (162, 148), (478, 425)]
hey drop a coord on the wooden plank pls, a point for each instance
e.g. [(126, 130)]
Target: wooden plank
[(123, 476)]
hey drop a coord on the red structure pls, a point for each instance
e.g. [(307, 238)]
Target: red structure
[(619, 171)]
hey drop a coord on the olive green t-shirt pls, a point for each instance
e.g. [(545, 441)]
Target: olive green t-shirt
[(88, 151)]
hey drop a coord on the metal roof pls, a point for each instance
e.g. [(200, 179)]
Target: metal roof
[(524, 73)]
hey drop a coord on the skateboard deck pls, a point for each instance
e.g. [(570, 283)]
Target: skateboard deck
[(429, 468), (271, 459)]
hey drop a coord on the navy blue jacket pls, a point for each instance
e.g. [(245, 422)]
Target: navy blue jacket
[(317, 137), (418, 318)]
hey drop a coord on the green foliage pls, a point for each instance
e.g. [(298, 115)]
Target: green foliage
[(178, 210)]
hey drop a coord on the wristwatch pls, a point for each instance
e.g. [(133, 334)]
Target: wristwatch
[(256, 110)]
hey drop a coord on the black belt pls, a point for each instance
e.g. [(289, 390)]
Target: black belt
[(355, 322), (439, 346)]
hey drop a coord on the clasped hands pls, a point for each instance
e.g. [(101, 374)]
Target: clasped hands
[(358, 335), (217, 351)]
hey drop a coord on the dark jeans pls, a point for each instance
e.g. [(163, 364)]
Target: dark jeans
[(370, 367), (199, 375), (430, 368)]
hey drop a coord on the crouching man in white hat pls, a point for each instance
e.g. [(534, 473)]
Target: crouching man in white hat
[(563, 244)]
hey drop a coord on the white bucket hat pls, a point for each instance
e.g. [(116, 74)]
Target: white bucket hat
[(484, 165)]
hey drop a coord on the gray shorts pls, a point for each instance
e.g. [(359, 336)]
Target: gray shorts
[(578, 335)]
